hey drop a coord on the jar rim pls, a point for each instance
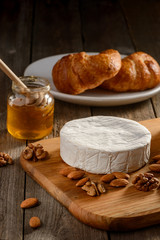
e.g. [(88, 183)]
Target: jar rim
[(34, 83)]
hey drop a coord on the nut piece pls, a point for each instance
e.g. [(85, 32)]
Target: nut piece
[(121, 175), (88, 183), (156, 158), (92, 191), (65, 171), (145, 182), (86, 188), (76, 174), (95, 186), (34, 222), (40, 153), (5, 159), (82, 181), (2, 162), (107, 178), (101, 188), (154, 167), (29, 202), (119, 182), (34, 152), (28, 153)]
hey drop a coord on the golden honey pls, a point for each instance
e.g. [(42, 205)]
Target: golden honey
[(30, 115)]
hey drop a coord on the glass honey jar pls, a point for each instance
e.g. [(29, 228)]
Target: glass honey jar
[(30, 114)]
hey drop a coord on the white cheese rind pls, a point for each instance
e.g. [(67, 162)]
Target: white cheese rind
[(104, 144)]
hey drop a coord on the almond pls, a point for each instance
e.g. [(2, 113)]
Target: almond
[(76, 174), (101, 188), (88, 183), (86, 188), (119, 182), (121, 175), (95, 186), (65, 171), (34, 222), (92, 191), (82, 181), (29, 202), (157, 157), (154, 167), (107, 178)]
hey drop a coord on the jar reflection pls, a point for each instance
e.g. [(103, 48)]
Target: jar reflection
[(30, 115)]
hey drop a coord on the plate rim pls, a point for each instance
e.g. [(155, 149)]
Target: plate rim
[(116, 99)]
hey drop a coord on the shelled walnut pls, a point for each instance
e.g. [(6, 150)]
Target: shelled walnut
[(145, 182), (5, 159), (34, 152)]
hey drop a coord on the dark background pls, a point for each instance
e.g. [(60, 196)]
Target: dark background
[(30, 30)]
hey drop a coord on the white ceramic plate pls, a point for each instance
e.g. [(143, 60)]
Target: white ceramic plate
[(94, 97)]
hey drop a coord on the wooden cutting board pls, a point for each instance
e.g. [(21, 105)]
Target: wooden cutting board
[(119, 209)]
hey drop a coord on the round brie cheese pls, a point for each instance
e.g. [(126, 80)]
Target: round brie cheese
[(104, 144)]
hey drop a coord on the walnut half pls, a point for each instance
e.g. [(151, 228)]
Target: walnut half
[(145, 182), (5, 159), (34, 152)]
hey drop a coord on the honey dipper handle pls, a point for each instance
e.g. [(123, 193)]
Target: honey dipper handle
[(12, 76)]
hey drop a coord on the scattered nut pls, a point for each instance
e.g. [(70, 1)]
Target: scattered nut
[(107, 178), (65, 171), (95, 186), (2, 162), (145, 182), (31, 145), (34, 222), (34, 152), (86, 188), (40, 153), (88, 183), (154, 167), (121, 175), (92, 191), (119, 182), (76, 174), (156, 158), (82, 181), (101, 188), (5, 159), (28, 153), (29, 202)]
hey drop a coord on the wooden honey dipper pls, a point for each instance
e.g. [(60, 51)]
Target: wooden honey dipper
[(31, 100), (12, 76)]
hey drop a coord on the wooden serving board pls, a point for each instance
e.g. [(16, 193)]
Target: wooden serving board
[(119, 209)]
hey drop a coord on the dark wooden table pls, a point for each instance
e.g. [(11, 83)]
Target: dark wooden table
[(30, 30)]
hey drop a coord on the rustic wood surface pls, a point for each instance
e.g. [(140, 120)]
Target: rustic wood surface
[(117, 209), (31, 30)]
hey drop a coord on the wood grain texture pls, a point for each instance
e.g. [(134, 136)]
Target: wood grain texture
[(144, 30), (142, 21), (138, 111), (103, 26), (36, 29), (49, 39), (13, 48), (118, 209)]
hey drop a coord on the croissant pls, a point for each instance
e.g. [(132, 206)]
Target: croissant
[(78, 72), (139, 72)]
